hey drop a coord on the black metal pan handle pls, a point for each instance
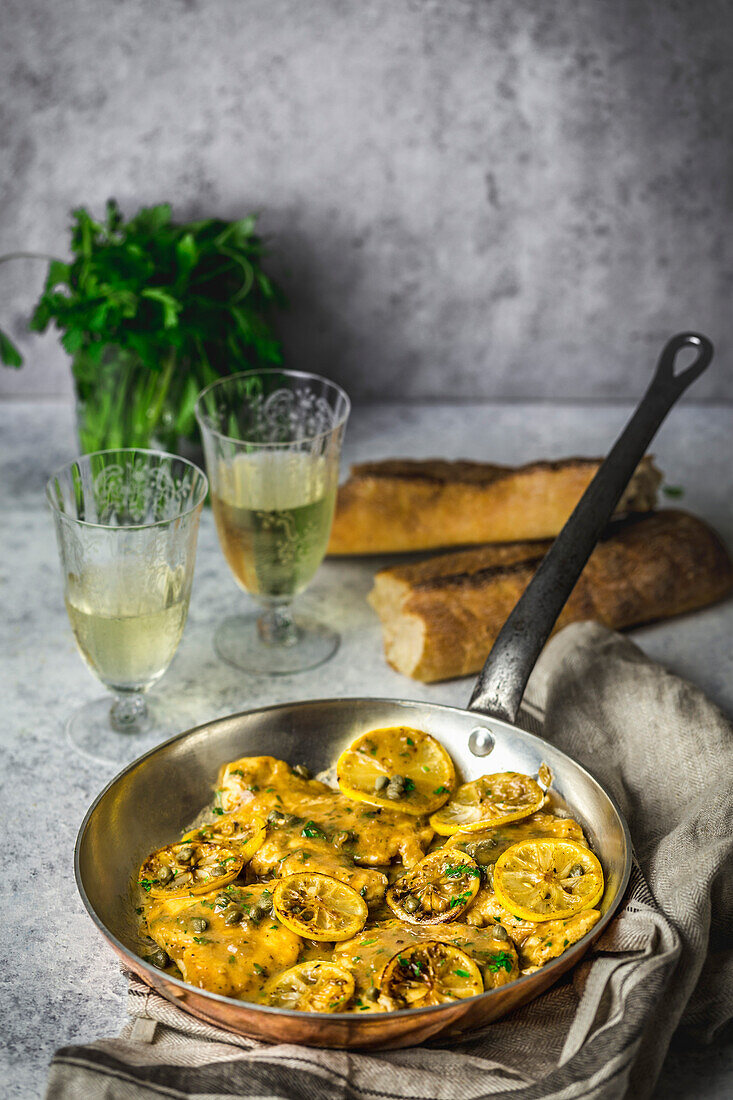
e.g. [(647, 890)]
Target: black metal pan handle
[(501, 683)]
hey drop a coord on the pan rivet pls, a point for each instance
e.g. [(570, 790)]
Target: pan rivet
[(480, 742)]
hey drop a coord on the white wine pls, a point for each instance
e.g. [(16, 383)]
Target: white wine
[(273, 513), (127, 626)]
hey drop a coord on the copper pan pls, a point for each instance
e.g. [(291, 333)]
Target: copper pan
[(153, 799)]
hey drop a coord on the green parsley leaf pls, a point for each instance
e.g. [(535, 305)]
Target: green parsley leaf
[(502, 959)]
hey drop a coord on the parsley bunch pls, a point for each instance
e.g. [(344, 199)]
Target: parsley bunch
[(151, 312)]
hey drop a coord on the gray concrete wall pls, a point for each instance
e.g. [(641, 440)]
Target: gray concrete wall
[(497, 198)]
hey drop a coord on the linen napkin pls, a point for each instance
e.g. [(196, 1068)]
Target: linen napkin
[(666, 754)]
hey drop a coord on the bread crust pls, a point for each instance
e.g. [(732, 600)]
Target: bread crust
[(400, 505), (440, 617)]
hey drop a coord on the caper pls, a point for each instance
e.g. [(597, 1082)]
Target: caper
[(396, 787), (160, 958), (292, 820), (411, 904), (576, 870), (342, 838), (381, 782), (234, 916), (276, 817), (302, 770), (199, 924), (222, 900), (483, 851), (372, 994), (185, 854), (165, 874), (500, 932)]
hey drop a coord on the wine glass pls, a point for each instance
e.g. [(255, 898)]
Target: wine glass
[(126, 523), (272, 441)]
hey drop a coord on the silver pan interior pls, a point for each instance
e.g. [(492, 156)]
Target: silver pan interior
[(149, 803)]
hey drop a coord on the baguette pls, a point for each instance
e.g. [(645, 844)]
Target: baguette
[(400, 505), (441, 617)]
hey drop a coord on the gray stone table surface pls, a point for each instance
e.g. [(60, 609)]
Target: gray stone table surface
[(59, 983)]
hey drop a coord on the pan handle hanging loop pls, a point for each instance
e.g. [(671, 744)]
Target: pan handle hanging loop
[(501, 683)]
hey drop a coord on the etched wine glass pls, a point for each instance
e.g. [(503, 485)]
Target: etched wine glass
[(272, 441), (126, 524)]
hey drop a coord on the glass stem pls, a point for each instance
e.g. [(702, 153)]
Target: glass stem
[(276, 626), (128, 712)]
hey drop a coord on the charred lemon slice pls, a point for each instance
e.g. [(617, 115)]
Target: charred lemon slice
[(438, 889), (315, 986), (490, 800), (246, 837), (430, 974), (550, 879), (319, 907), (399, 768), (191, 867)]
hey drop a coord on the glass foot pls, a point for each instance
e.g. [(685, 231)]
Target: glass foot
[(90, 731), (239, 641)]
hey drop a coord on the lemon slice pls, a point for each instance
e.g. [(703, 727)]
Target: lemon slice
[(430, 974), (549, 879), (190, 867), (245, 837), (438, 889), (399, 768), (315, 986), (319, 907), (490, 800)]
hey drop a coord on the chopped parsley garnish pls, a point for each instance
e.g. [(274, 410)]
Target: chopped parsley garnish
[(463, 869), (462, 973), (202, 939), (673, 490), (441, 789), (459, 899), (237, 771), (367, 943), (257, 968), (503, 959), (146, 883), (425, 768), (310, 829), (410, 741), (217, 810), (409, 784)]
